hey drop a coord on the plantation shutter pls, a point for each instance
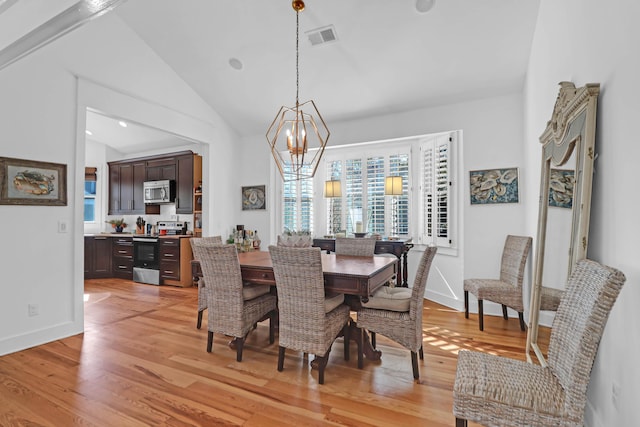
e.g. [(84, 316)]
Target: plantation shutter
[(353, 184), (297, 203), (399, 212), (436, 191), (375, 196)]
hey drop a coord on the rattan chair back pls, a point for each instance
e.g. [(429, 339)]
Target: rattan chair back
[(359, 246)]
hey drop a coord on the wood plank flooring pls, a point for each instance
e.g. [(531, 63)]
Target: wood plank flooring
[(141, 361)]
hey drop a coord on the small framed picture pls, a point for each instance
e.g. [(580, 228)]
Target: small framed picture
[(254, 198), (491, 186), (30, 182)]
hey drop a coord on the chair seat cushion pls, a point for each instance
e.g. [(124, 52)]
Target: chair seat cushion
[(489, 388), (251, 291), (332, 301), (387, 298)]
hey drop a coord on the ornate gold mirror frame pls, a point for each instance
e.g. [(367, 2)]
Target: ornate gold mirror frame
[(571, 131)]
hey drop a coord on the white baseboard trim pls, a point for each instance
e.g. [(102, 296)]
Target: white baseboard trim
[(490, 309), (41, 336)]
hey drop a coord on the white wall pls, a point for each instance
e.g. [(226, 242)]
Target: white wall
[(492, 137), (588, 42), (42, 115)]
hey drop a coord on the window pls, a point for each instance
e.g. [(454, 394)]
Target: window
[(435, 191), (425, 211), (90, 181), (363, 200), (297, 203)]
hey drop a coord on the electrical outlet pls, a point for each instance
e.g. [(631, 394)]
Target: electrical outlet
[(33, 310), (63, 226)]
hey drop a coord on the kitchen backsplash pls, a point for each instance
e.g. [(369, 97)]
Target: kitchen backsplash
[(167, 213)]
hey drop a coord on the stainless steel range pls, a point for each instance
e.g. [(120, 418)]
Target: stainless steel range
[(146, 251), (146, 260)]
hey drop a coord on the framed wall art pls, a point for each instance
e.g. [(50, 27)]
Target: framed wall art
[(254, 198), (491, 186), (561, 182), (30, 182)]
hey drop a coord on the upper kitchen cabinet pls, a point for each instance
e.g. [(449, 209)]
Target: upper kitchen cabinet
[(189, 168), (126, 180), (161, 169)]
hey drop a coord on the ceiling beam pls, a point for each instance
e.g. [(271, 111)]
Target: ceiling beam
[(61, 24)]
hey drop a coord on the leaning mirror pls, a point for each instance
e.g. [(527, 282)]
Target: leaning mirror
[(568, 139)]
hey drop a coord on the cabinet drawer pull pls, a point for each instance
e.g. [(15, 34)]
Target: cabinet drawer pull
[(122, 267), (168, 272), (265, 275), (168, 255), (122, 251)]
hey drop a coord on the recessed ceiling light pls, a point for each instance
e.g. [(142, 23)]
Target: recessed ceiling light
[(424, 6), (235, 63), (123, 124), (88, 132)]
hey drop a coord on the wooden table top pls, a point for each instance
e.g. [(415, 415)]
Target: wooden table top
[(343, 265)]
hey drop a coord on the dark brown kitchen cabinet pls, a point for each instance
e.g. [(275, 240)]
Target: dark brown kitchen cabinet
[(184, 184), (126, 193), (170, 259), (122, 257), (175, 261), (160, 169), (126, 182), (97, 257)]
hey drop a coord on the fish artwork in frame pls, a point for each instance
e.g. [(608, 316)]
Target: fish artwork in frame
[(30, 182)]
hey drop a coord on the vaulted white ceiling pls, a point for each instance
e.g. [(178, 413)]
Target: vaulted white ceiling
[(388, 57)]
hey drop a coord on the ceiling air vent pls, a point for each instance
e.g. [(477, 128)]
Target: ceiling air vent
[(322, 35)]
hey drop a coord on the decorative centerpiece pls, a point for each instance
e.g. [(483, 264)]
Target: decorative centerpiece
[(118, 224)]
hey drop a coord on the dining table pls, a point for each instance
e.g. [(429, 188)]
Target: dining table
[(356, 277)]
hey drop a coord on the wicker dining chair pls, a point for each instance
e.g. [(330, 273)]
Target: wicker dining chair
[(397, 312), (507, 290), (202, 290), (309, 321), (234, 309), (357, 246), (361, 246), (295, 241), (497, 391)]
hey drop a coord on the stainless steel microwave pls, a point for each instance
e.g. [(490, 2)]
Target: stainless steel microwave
[(163, 191)]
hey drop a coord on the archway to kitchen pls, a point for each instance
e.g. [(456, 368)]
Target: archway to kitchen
[(99, 105)]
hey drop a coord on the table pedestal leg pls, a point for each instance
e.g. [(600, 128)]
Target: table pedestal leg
[(367, 349)]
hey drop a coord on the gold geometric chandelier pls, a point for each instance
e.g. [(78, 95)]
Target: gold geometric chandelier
[(298, 135)]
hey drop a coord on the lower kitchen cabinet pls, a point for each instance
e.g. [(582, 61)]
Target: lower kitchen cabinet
[(122, 256), (97, 257), (112, 256), (175, 261)]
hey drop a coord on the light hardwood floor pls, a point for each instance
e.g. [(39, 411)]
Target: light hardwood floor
[(141, 361)]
